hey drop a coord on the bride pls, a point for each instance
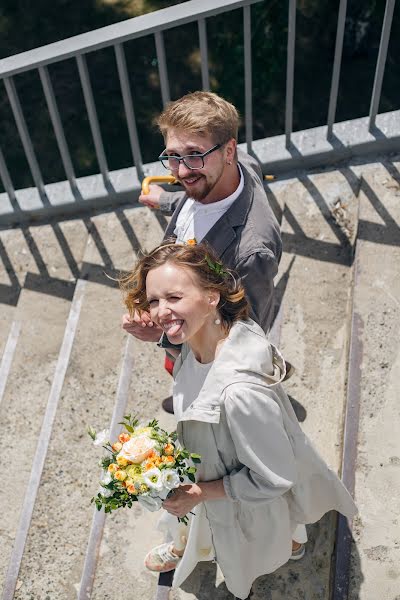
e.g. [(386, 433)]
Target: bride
[(260, 479)]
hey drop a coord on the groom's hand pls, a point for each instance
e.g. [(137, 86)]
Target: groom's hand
[(141, 327)]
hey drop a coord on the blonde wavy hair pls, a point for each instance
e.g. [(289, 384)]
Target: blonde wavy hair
[(210, 273)]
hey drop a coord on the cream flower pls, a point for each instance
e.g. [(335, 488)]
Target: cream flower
[(137, 449), (102, 438), (153, 479), (106, 478), (170, 479)]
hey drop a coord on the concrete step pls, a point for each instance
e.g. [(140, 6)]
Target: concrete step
[(319, 224), (375, 557), (62, 515), (24, 402), (315, 280), (36, 327)]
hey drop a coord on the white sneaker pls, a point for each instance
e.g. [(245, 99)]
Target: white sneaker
[(299, 553), (162, 559)]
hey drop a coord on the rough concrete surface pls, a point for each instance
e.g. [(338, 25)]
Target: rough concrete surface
[(376, 551), (319, 222)]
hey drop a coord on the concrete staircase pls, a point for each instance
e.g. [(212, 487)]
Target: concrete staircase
[(67, 363)]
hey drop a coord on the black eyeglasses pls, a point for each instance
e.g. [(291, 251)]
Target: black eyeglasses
[(191, 161)]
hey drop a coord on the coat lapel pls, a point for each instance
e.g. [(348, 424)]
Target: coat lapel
[(223, 233)]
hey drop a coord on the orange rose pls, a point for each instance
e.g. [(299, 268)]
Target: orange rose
[(168, 449), (149, 465), (117, 446), (124, 437), (120, 475), (168, 460), (131, 489), (112, 468)]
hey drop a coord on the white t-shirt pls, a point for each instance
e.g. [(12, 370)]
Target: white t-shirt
[(188, 383), (196, 219)]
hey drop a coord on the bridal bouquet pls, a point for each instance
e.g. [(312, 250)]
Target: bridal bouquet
[(145, 464)]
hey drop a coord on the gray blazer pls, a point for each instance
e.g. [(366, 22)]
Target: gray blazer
[(246, 238)]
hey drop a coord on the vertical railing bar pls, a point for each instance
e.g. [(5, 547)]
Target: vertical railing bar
[(92, 114), (337, 62), (25, 137), (205, 77), (248, 76), (162, 68), (129, 110), (57, 125), (381, 62), (290, 71), (6, 179)]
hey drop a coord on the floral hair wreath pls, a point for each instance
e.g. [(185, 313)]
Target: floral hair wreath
[(217, 267)]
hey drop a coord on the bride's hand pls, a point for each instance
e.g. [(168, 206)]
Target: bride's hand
[(183, 500)]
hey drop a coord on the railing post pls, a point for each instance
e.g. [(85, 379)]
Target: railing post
[(6, 179), (248, 76), (290, 71), (58, 126), (162, 68), (205, 78), (380, 65), (336, 66), (129, 110), (92, 114), (25, 137)]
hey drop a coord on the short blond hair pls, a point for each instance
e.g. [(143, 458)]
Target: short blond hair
[(201, 113)]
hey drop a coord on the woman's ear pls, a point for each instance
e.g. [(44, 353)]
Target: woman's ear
[(213, 298)]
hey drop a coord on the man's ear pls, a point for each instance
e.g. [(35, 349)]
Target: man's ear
[(230, 149)]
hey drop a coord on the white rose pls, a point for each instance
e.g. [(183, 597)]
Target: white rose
[(102, 438), (137, 449), (170, 479), (153, 479), (106, 478)]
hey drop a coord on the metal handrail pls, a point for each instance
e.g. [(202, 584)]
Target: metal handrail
[(113, 35), (137, 27)]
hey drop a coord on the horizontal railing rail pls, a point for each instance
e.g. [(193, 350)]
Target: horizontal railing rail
[(155, 24)]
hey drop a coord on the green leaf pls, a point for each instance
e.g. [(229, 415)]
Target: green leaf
[(129, 428), (192, 477)]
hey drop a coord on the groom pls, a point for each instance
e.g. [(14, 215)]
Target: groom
[(223, 201)]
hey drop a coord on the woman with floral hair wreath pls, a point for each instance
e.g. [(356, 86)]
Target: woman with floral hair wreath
[(260, 480)]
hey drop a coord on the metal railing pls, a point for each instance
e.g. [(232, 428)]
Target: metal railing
[(156, 23)]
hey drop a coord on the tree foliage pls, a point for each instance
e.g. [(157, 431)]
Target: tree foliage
[(26, 25)]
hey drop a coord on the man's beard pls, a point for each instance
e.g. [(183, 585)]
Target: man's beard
[(203, 191)]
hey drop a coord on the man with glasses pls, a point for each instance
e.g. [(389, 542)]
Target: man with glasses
[(223, 202)]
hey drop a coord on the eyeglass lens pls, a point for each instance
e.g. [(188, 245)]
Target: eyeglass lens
[(191, 161)]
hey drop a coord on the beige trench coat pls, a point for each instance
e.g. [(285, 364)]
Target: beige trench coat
[(244, 427)]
